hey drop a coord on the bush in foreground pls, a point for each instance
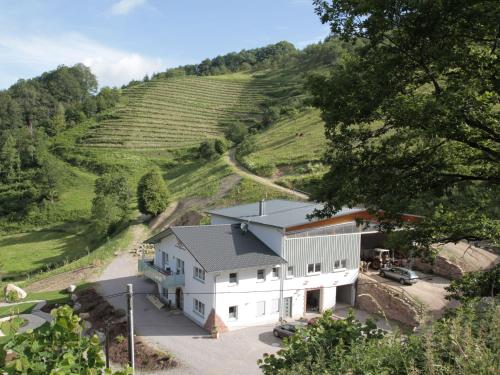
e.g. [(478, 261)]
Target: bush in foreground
[(465, 342), (58, 349)]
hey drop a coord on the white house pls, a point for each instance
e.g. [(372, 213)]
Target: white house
[(258, 263)]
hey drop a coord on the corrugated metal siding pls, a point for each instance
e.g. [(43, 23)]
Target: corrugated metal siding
[(299, 252)]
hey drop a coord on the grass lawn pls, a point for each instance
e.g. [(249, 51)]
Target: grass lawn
[(27, 252)]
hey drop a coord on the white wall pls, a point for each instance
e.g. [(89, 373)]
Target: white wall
[(271, 236), (192, 287), (245, 295)]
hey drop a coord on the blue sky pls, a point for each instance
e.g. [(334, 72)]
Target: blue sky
[(122, 40)]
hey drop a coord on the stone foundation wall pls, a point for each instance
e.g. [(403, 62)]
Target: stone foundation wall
[(441, 267), (382, 300)]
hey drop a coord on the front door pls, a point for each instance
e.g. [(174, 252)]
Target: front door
[(287, 308), (179, 298)]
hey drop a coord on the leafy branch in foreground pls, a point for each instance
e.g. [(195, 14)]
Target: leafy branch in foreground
[(58, 349)]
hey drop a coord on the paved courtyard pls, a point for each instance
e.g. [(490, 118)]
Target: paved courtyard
[(235, 352)]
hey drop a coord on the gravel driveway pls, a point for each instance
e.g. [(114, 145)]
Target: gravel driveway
[(429, 290), (235, 352)]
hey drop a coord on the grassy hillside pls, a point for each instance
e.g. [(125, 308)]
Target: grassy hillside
[(175, 113), (293, 140)]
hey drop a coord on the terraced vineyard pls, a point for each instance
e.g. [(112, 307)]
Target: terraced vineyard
[(172, 113)]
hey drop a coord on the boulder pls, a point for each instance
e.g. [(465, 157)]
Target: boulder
[(11, 288), (71, 288)]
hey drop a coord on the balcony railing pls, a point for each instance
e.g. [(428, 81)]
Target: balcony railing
[(164, 278)]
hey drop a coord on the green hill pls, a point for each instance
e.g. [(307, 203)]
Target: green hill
[(180, 112)]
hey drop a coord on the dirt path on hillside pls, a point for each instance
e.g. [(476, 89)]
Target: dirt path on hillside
[(230, 159)]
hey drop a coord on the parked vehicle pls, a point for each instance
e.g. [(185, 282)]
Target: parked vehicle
[(403, 275), (285, 330)]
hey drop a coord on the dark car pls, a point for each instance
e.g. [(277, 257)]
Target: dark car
[(403, 275), (285, 330)]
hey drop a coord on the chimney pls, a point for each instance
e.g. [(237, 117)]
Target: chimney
[(262, 208)]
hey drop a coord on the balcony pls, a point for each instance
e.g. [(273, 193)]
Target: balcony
[(162, 277)]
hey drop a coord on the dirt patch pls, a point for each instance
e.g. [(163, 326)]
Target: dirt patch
[(188, 218), (99, 313), (62, 280)]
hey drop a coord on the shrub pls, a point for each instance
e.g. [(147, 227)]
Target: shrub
[(11, 296), (60, 348), (236, 133), (207, 150), (247, 147), (220, 146), (152, 193)]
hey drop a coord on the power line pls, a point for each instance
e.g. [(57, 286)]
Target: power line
[(267, 290)]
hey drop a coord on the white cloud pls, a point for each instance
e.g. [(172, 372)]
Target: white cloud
[(113, 67), (125, 6)]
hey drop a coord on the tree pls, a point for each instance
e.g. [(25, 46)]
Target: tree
[(207, 150), (10, 161), (220, 146), (60, 348), (110, 206), (475, 284), (152, 193), (236, 132), (412, 116), (58, 121), (49, 179), (466, 342)]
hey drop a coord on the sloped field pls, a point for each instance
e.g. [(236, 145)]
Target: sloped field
[(180, 112), (291, 141)]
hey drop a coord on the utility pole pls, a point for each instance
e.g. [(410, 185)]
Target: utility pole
[(130, 323), (106, 344)]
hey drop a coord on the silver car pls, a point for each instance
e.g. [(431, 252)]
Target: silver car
[(403, 275)]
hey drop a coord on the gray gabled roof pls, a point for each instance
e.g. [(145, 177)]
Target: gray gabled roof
[(278, 213), (222, 247)]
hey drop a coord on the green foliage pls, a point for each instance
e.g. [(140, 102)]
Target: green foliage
[(11, 296), (236, 132), (110, 206), (57, 350), (220, 146), (464, 343), (10, 327), (412, 115), (10, 161), (308, 349), (207, 150), (475, 284), (152, 193)]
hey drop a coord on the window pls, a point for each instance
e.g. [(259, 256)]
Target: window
[(164, 292), (199, 307), (336, 264), (343, 263), (314, 268), (261, 275), (276, 272), (233, 278), (261, 308), (233, 312), (289, 271), (164, 260), (199, 274), (275, 306), (180, 267)]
